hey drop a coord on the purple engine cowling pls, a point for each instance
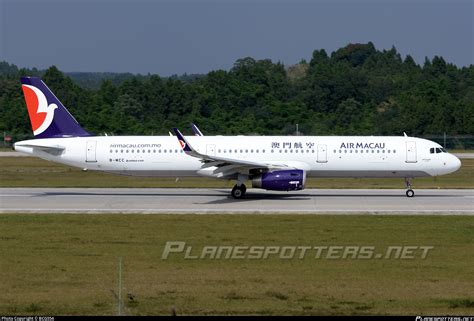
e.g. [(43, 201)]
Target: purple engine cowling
[(282, 180)]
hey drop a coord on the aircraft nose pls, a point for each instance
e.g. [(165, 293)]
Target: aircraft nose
[(455, 163)]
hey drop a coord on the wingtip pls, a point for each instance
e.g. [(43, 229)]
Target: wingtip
[(182, 141), (177, 132), (196, 130)]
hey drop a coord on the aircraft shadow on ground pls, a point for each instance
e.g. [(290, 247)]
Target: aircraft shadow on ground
[(250, 196)]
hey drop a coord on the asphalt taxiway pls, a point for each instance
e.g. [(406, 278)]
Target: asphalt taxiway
[(218, 201)]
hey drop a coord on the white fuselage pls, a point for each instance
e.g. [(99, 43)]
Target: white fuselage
[(321, 156)]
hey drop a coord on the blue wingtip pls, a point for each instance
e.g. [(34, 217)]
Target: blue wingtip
[(182, 141), (196, 130)]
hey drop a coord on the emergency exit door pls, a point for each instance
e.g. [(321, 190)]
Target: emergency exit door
[(322, 154), (91, 152), (211, 150), (411, 152)]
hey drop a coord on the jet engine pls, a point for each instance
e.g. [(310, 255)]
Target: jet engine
[(280, 180)]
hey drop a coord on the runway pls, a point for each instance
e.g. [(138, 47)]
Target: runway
[(218, 201)]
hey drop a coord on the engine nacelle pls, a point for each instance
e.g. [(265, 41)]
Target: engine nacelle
[(281, 180)]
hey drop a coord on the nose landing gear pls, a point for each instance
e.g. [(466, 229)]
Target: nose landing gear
[(409, 192)]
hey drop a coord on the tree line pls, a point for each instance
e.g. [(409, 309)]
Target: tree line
[(355, 90)]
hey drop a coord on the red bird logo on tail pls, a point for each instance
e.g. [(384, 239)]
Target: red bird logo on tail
[(41, 114)]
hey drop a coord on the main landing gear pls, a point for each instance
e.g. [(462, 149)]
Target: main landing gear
[(238, 191), (409, 192)]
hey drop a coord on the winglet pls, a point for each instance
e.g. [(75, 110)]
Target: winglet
[(196, 130), (182, 141)]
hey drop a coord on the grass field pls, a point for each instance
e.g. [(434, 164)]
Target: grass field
[(34, 172), (67, 264)]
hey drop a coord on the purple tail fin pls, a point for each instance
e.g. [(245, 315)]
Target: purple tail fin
[(49, 118)]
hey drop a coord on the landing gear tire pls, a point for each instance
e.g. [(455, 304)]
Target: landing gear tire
[(409, 192), (238, 191)]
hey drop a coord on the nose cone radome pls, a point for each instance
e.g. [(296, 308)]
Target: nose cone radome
[(454, 164)]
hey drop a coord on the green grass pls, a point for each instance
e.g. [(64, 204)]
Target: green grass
[(34, 172), (67, 264)]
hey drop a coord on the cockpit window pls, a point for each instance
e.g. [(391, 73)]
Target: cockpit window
[(437, 150)]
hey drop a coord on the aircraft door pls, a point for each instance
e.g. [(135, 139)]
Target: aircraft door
[(411, 152), (91, 152), (322, 154), (211, 150)]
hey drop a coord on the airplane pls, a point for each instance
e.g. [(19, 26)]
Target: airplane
[(276, 163)]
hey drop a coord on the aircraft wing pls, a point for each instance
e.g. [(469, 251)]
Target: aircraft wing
[(225, 166), (196, 130)]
